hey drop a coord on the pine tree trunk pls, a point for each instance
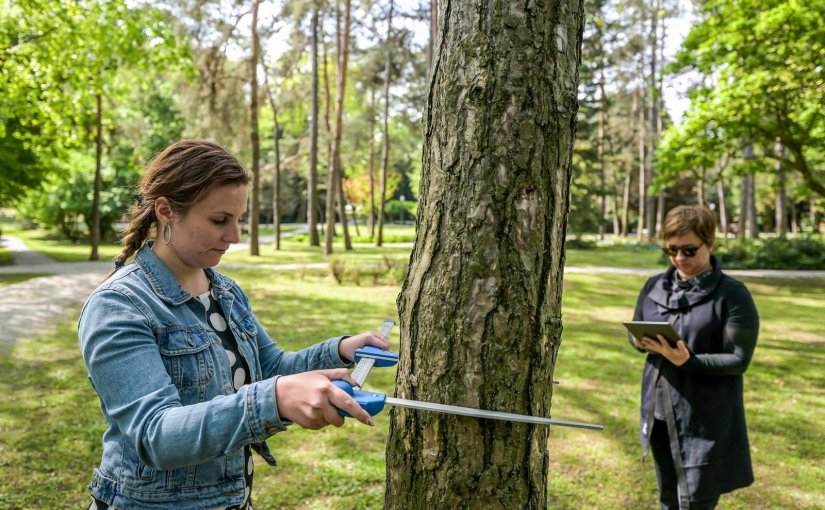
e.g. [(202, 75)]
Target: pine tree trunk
[(781, 197), (95, 227), (312, 178), (254, 216), (480, 309), (338, 171)]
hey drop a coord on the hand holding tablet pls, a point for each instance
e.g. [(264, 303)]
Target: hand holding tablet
[(641, 329)]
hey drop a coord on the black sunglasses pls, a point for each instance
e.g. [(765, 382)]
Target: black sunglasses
[(687, 251)]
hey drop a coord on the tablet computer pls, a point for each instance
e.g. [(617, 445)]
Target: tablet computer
[(643, 328)]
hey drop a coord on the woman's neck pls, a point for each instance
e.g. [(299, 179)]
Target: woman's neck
[(686, 277), (192, 279)]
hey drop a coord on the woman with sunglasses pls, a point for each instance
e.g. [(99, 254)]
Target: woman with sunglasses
[(692, 410)]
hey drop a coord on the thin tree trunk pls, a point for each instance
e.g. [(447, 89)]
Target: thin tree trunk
[(653, 113), (312, 178), (95, 234), (749, 203), (626, 200), (276, 144), (254, 248), (385, 141), (330, 205), (480, 309), (781, 198), (642, 172), (343, 57), (723, 210)]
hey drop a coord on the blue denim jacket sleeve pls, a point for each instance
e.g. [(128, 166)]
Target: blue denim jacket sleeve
[(140, 400)]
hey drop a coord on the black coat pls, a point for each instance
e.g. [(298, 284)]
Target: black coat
[(719, 323)]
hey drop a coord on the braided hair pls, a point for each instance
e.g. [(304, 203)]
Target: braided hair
[(184, 173)]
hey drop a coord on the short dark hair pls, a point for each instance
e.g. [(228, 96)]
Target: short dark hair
[(685, 219)]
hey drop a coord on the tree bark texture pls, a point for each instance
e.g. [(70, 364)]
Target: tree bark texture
[(480, 309)]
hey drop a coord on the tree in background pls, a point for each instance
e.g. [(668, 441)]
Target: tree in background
[(762, 67), (480, 309)]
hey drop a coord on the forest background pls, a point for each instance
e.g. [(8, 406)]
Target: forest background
[(332, 107)]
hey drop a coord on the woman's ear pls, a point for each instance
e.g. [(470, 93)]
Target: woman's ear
[(163, 211)]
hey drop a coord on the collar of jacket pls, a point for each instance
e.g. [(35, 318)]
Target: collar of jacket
[(164, 283), (664, 294)]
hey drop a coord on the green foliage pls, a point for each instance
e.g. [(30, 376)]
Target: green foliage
[(64, 201), (57, 60), (763, 60), (398, 211), (804, 253)]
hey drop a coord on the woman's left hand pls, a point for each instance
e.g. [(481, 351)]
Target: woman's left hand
[(347, 346), (678, 355)]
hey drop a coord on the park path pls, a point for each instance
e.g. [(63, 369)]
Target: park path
[(36, 306)]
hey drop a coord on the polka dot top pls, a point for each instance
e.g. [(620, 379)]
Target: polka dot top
[(215, 320)]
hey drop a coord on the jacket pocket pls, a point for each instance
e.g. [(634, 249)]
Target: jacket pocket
[(187, 357)]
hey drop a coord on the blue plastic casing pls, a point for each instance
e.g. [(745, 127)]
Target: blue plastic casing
[(382, 358), (373, 403)]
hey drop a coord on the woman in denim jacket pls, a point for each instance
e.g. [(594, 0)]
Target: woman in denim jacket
[(188, 379)]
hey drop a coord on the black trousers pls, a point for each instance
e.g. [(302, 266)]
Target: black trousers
[(666, 472)]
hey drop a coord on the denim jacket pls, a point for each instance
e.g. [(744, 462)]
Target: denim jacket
[(176, 427)]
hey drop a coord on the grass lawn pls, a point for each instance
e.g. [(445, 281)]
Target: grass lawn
[(11, 279), (50, 423)]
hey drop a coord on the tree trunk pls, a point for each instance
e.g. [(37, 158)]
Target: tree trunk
[(626, 201), (653, 113), (781, 199), (276, 184), (312, 178), (95, 230), (385, 138), (480, 309), (330, 195), (753, 226), (723, 210), (748, 211), (338, 171), (642, 172), (255, 212)]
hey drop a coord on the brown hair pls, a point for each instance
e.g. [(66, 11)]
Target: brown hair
[(184, 173), (685, 219)]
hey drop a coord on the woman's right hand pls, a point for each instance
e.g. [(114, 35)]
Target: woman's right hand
[(312, 401)]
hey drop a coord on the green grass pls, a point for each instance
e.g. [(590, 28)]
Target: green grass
[(11, 279), (6, 258), (61, 250), (50, 423)]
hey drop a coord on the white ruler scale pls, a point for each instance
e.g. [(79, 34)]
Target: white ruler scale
[(368, 356)]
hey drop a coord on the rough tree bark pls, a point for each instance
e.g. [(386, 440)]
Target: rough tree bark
[(480, 309)]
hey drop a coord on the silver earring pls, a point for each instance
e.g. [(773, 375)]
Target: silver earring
[(167, 233)]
